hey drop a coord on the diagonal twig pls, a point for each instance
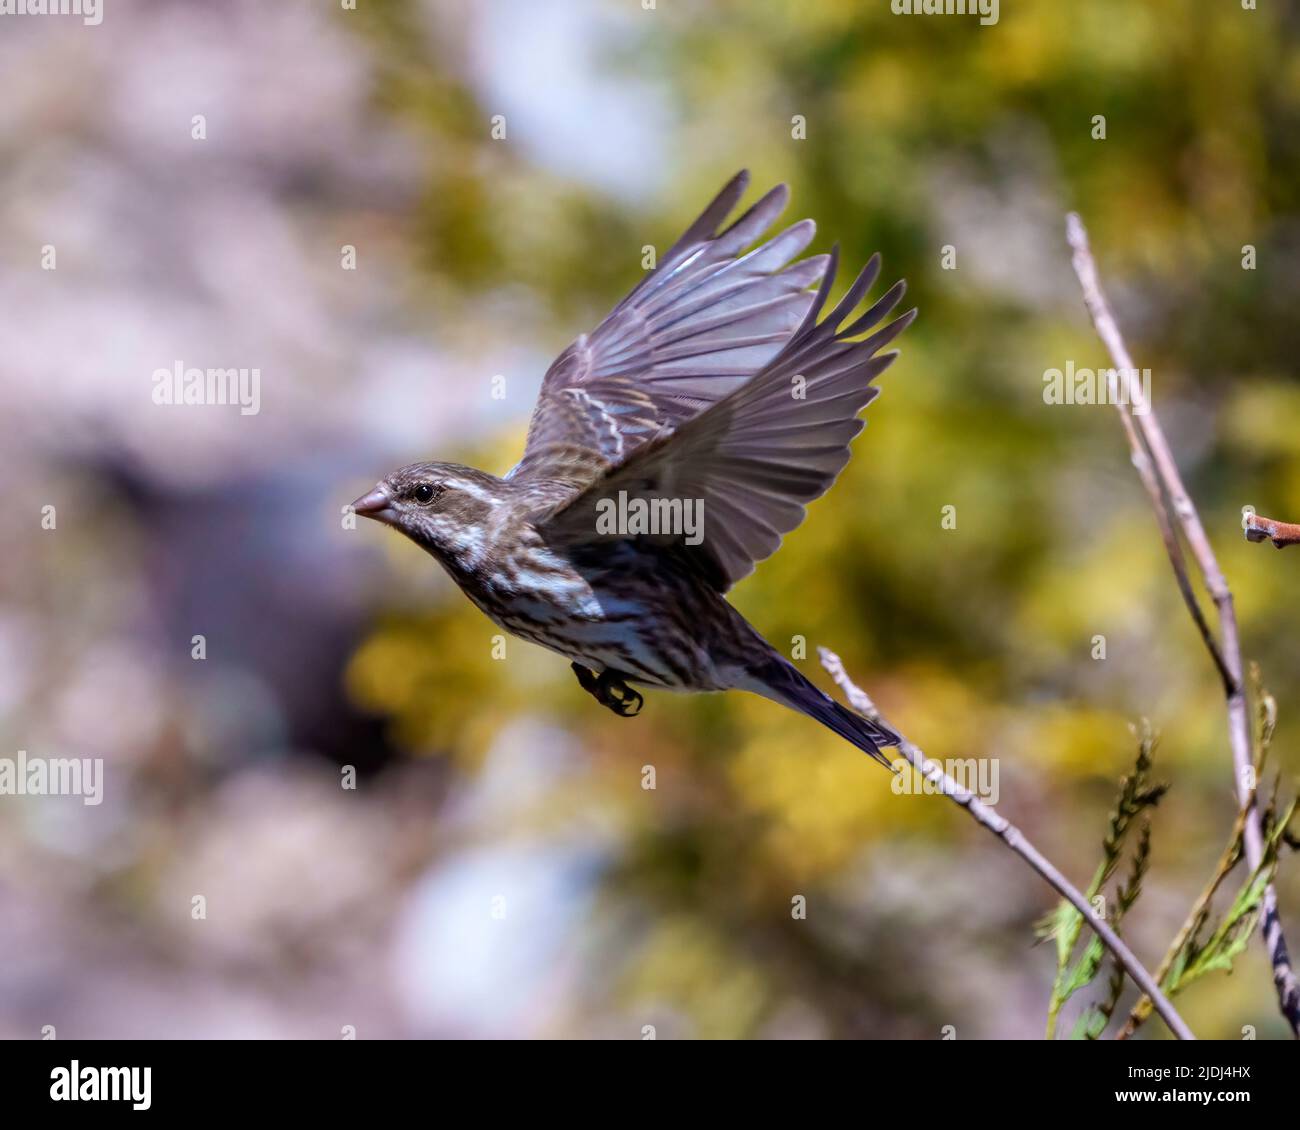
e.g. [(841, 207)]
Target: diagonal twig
[(1146, 472), (988, 817), (1160, 476)]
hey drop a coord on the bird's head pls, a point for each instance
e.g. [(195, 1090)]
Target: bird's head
[(440, 506)]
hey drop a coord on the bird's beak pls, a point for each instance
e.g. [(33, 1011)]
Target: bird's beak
[(377, 505)]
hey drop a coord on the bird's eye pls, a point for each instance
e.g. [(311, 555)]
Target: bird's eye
[(425, 493)]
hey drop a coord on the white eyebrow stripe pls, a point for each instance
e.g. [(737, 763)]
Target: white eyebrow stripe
[(474, 491)]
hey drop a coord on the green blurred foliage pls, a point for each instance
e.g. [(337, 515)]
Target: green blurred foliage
[(977, 640)]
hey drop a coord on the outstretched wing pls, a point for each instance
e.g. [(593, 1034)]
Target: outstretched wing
[(757, 457), (696, 328)]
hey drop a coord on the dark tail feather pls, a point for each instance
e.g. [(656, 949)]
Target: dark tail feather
[(783, 683)]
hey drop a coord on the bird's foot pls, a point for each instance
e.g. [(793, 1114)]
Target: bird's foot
[(609, 689), (618, 696)]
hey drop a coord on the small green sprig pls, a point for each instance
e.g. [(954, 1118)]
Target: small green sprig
[(1138, 793)]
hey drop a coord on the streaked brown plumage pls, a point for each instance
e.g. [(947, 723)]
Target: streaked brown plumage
[(714, 384)]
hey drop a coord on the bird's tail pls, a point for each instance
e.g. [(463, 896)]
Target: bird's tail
[(781, 681)]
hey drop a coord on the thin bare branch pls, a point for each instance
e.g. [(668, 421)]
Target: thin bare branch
[(1141, 419), (988, 817), (1146, 472)]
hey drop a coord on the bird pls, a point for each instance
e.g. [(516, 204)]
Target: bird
[(670, 450)]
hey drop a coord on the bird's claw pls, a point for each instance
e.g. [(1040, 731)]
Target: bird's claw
[(619, 697), (609, 689)]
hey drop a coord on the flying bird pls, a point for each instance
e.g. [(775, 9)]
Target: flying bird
[(715, 391)]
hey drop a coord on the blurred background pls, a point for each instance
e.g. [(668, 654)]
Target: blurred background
[(498, 869)]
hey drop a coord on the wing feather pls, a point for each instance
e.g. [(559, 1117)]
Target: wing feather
[(758, 456), (694, 330)]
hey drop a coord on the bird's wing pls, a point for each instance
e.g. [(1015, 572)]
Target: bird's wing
[(701, 324), (758, 456)]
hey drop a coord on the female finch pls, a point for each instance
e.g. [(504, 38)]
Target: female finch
[(711, 390)]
